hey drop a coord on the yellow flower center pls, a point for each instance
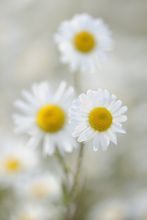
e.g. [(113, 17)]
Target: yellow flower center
[(84, 41), (13, 165), (50, 118), (100, 119)]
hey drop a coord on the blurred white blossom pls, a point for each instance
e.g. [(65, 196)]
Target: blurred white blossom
[(39, 187), (31, 212), (84, 42), (15, 162)]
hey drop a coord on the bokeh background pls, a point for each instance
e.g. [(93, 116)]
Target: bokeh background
[(117, 179)]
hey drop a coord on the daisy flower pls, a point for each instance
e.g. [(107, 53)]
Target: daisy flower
[(97, 116), (44, 117), (15, 161), (30, 212), (38, 187), (116, 210), (83, 42)]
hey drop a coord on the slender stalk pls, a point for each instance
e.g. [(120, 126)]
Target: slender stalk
[(76, 180), (69, 194), (62, 162), (76, 82), (65, 183), (70, 214)]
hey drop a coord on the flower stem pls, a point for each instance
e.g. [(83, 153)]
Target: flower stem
[(78, 171), (65, 182), (62, 162), (76, 82), (75, 186)]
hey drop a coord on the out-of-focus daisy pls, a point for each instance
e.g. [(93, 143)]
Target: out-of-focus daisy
[(31, 212), (15, 161), (83, 42), (116, 210), (139, 206), (97, 116), (38, 187), (44, 117)]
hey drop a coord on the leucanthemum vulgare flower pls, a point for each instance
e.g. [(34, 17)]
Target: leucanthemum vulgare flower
[(97, 116), (44, 117), (31, 212), (39, 187), (15, 161), (116, 210), (84, 42)]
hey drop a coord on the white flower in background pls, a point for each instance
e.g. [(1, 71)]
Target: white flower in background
[(38, 187), (15, 161), (84, 42), (31, 212), (116, 210), (139, 205), (97, 116), (44, 117)]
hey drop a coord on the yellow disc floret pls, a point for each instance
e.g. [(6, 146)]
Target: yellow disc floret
[(100, 119), (12, 165), (84, 42), (50, 118)]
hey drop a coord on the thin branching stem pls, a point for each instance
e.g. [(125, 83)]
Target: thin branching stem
[(76, 180), (62, 162)]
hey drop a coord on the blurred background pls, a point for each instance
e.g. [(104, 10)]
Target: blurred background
[(116, 179)]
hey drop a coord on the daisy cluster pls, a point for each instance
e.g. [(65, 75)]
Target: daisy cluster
[(55, 119), (59, 120), (34, 188)]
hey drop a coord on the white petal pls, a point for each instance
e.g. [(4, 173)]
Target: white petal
[(22, 129), (116, 106), (29, 97), (48, 146), (60, 91), (68, 95), (34, 141), (86, 135), (118, 129), (41, 92), (104, 141), (121, 111), (120, 119), (112, 137), (79, 129), (96, 143), (24, 107)]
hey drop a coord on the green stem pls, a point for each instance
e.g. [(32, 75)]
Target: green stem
[(69, 194), (61, 160), (65, 183), (76, 82), (78, 171)]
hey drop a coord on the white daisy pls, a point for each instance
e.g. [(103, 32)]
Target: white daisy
[(116, 210), (15, 161), (84, 42), (97, 116), (31, 212), (39, 186), (44, 117)]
